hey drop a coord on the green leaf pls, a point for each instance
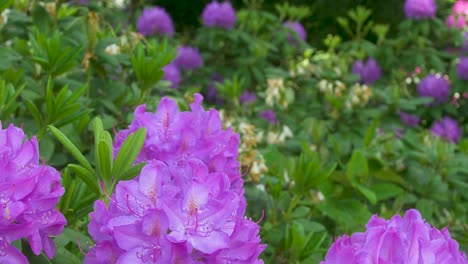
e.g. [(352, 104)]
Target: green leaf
[(132, 172), (388, 175), (104, 159), (71, 236), (34, 112), (87, 177), (371, 131), (357, 166), (71, 148), (4, 4), (369, 194), (384, 191), (33, 258), (62, 255), (128, 153)]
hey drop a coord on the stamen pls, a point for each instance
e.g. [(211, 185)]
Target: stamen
[(128, 206), (79, 246), (261, 218), (247, 169)]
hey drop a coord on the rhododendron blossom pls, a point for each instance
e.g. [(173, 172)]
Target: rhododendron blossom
[(420, 9), (409, 119), (369, 71), (187, 205), (155, 21), (220, 15), (462, 68), (29, 193), (400, 240), (188, 58), (435, 87), (447, 128), (172, 74), (296, 27)]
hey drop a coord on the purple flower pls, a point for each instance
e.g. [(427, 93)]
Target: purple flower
[(420, 9), (29, 193), (212, 93), (188, 58), (247, 97), (447, 128), (435, 87), (369, 71), (296, 27), (187, 205), (408, 119), (155, 21), (465, 42), (462, 68), (172, 74), (220, 15), (400, 240), (269, 115)]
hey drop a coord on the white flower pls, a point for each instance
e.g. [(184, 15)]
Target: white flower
[(272, 137), (285, 133), (5, 16), (112, 49)]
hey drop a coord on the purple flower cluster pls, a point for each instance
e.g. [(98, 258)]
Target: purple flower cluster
[(268, 115), (400, 240), (212, 94), (447, 128), (155, 21), (369, 71), (465, 42), (462, 68), (187, 205), (247, 97), (220, 15), (420, 9), (172, 74), (296, 27), (435, 87), (188, 58), (29, 193), (408, 119)]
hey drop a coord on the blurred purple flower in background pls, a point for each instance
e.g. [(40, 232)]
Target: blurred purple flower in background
[(436, 87), (172, 74), (220, 15), (462, 68), (420, 9), (408, 119), (296, 27), (155, 21), (188, 58), (369, 71), (247, 97), (29, 193), (212, 93), (465, 42), (447, 128), (268, 115), (400, 240)]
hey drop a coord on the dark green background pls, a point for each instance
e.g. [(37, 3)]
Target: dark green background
[(186, 13)]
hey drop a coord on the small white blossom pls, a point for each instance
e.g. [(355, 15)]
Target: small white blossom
[(112, 49)]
